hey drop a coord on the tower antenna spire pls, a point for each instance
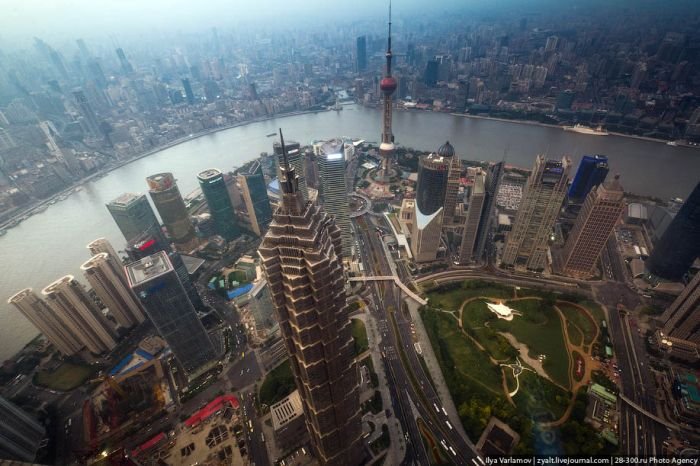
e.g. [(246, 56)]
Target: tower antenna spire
[(388, 48), (284, 152)]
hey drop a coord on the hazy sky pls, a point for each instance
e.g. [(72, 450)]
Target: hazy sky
[(23, 19)]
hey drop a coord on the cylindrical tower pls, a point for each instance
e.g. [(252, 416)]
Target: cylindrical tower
[(171, 207), (111, 287)]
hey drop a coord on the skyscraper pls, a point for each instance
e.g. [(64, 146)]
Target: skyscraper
[(590, 173), (214, 188), (188, 90), (452, 185), (679, 246), (71, 304), (433, 173), (388, 86), (21, 435), (682, 318), (134, 216), (473, 220), (431, 73), (493, 183), (433, 177), (154, 280), (109, 283), (147, 245), (593, 226), (254, 190), (361, 54), (301, 257), (44, 319), (333, 190), (295, 157), (168, 201), (124, 62), (528, 242), (101, 245), (88, 114)]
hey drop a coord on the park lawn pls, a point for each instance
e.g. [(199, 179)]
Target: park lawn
[(581, 320), (538, 396), (595, 309), (359, 336), (540, 329), (451, 300), (456, 349), (575, 334), (474, 318), (278, 384), (66, 377)]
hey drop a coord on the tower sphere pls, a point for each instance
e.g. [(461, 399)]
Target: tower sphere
[(388, 85)]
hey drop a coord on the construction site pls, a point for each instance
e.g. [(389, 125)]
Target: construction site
[(132, 393)]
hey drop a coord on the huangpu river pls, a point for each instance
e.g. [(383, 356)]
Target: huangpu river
[(51, 244)]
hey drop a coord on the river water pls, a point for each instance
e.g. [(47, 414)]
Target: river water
[(51, 244)]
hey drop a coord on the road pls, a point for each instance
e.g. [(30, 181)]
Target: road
[(402, 360), (254, 440), (639, 434)]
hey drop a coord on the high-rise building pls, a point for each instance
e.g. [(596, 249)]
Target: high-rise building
[(101, 245), (21, 436), (124, 62), (109, 283), (188, 90), (254, 190), (44, 319), (215, 192), (528, 243), (493, 183), (679, 246), (166, 196), (301, 257), (682, 319), (88, 114), (452, 186), (333, 189), (387, 85), (426, 231), (594, 224), (134, 216), (71, 303), (431, 73), (473, 220), (295, 157), (433, 174), (154, 280), (590, 173), (361, 54), (147, 245)]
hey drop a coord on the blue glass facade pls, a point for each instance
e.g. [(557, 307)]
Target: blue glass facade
[(591, 172)]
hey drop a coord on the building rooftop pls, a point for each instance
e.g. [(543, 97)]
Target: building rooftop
[(286, 410), (192, 263), (125, 199), (94, 260), (148, 268), (209, 173), (52, 287), (160, 181)]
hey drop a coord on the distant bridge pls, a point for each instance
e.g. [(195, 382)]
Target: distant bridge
[(396, 280)]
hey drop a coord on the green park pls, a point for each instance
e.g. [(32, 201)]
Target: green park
[(528, 368)]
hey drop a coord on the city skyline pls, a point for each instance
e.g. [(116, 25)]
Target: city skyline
[(419, 277)]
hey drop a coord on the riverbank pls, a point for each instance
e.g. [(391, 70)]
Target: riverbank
[(37, 207), (548, 125)]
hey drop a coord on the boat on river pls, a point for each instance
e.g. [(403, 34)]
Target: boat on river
[(582, 129)]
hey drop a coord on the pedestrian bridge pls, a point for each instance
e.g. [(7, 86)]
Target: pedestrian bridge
[(396, 280), (647, 413)]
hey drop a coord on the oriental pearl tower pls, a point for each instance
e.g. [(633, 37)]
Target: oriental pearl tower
[(387, 86)]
